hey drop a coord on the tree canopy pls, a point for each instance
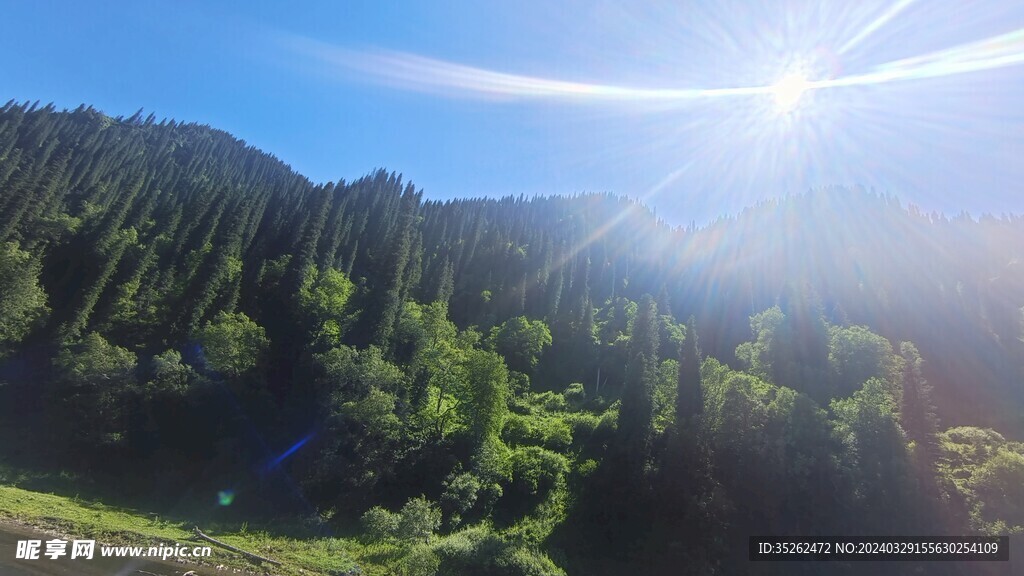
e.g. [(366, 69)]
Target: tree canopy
[(499, 386)]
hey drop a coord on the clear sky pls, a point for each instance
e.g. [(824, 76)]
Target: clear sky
[(700, 108)]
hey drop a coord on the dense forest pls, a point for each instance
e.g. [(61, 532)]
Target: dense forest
[(521, 386)]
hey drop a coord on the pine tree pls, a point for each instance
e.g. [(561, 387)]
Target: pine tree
[(690, 396), (445, 283), (917, 413), (636, 414), (381, 313)]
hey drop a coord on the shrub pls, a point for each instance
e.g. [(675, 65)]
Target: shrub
[(552, 432), (418, 519), (419, 561), (482, 552), (550, 401), (587, 467), (379, 523), (575, 395), (460, 495), (582, 424), (535, 469)]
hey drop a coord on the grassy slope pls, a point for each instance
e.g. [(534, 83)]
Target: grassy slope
[(110, 525)]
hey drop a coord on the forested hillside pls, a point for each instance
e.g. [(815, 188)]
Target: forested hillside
[(514, 386)]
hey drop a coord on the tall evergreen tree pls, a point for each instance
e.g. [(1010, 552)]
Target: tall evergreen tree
[(382, 310), (636, 414), (917, 415), (689, 397), (802, 351)]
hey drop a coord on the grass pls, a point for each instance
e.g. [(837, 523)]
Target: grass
[(119, 526)]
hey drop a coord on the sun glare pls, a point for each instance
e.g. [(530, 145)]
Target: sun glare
[(789, 90)]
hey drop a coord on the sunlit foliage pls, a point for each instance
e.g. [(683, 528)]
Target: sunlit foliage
[(22, 300), (233, 343), (492, 386)]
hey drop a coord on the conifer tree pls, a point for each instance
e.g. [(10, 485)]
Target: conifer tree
[(381, 313), (917, 415), (636, 415), (445, 283), (689, 397)]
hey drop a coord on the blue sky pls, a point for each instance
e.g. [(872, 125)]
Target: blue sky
[(671, 102)]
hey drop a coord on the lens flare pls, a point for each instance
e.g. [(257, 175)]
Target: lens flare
[(294, 448), (789, 91), (879, 22), (225, 497), (414, 72), (726, 103)]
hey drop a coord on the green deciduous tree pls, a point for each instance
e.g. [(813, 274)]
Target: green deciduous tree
[(486, 396), (323, 297), (998, 485), (22, 300), (761, 356), (233, 343), (461, 491), (169, 374), (418, 519), (362, 430), (856, 355), (790, 346), (982, 474), (521, 342), (96, 360), (347, 373), (876, 455), (771, 447), (379, 523), (95, 378)]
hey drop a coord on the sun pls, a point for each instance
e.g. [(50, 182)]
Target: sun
[(789, 90)]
